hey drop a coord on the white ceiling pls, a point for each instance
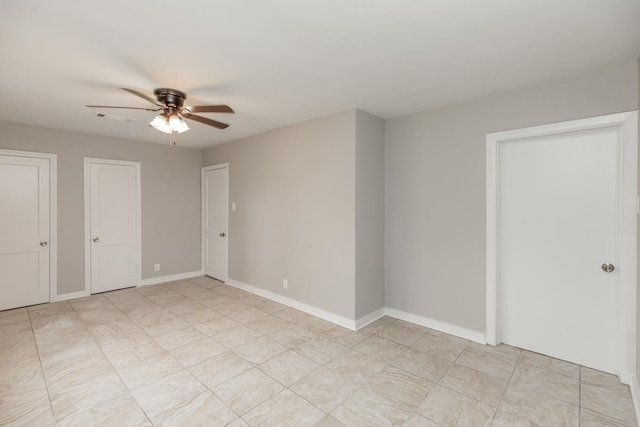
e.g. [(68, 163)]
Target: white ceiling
[(278, 62)]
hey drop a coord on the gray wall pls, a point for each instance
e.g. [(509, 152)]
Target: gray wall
[(369, 220), (294, 189), (170, 198), (435, 188), (638, 242)]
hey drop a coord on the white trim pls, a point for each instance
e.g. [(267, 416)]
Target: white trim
[(72, 295), (627, 122), (87, 215), (53, 213), (171, 278), (203, 219), (438, 325), (635, 396), (314, 311), (370, 318)]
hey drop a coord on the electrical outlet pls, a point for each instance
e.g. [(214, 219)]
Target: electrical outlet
[(156, 267), (285, 283)]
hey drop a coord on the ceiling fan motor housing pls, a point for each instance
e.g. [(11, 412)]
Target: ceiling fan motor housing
[(170, 97)]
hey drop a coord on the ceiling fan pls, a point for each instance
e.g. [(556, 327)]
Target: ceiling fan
[(171, 103)]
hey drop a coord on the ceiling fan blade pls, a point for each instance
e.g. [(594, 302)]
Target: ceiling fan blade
[(126, 108), (143, 96), (211, 109), (206, 121)]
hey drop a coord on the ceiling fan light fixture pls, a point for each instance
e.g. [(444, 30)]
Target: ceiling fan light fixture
[(161, 123), (176, 124), (169, 123)]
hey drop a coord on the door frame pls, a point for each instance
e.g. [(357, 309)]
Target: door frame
[(88, 161), (627, 237), (203, 214), (53, 213)]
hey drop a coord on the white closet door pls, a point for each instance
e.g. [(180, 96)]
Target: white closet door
[(24, 231)]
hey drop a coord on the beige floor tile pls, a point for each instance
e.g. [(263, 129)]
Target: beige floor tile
[(260, 350), (589, 418), (355, 366), (291, 315), (147, 371), (431, 368), (214, 326), (400, 334), (328, 421), (82, 389), (12, 316), (446, 336), (315, 326), (538, 409), (21, 361), (204, 409), (419, 421), (247, 390), (440, 347), (165, 327), (491, 363), (288, 368), (370, 409), (474, 384), (196, 351), (237, 423), (85, 357), (398, 386), (120, 410), (266, 325), (201, 315), (558, 366), (449, 408), (163, 397), (235, 336), (325, 388), (31, 410), (380, 348), (219, 369), (128, 347), (321, 350), (379, 324), (50, 309), (270, 307), (503, 419), (251, 314), (538, 380), (291, 336), (346, 336), (611, 401), (231, 307), (284, 409)]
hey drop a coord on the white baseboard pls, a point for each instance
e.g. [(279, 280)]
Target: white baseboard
[(314, 311), (72, 295), (171, 278), (635, 396), (370, 318), (437, 325)]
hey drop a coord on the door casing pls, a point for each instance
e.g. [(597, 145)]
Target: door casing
[(88, 161), (53, 214), (627, 237), (204, 212)]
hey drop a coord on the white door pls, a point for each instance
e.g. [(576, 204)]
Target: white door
[(24, 231), (114, 224), (558, 222), (215, 220)]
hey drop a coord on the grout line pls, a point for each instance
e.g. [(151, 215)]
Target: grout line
[(44, 378)]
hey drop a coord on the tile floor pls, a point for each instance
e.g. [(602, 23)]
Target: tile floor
[(197, 352)]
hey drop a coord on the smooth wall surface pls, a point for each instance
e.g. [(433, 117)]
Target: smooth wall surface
[(435, 188), (170, 198), (294, 190), (369, 213)]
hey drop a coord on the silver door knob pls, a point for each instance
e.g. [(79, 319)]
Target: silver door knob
[(222, 234), (96, 239), (44, 243), (608, 268)]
